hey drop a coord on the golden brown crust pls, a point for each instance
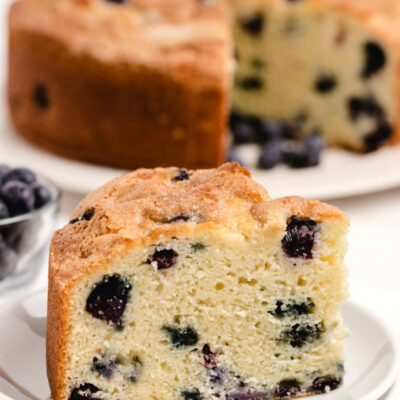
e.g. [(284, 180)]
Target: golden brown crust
[(119, 104)]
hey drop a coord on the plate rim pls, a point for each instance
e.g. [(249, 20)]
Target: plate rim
[(356, 304)]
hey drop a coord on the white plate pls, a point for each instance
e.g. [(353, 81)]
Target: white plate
[(373, 359)]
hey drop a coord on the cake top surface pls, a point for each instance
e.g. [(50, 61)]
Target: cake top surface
[(164, 34), (147, 206)]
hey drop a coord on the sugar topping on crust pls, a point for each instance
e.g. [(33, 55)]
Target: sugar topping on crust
[(149, 205), (175, 33)]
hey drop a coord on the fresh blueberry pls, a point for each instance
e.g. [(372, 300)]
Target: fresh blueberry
[(378, 137), (287, 388), (300, 334), (18, 196), (8, 259), (41, 96), (22, 174), (85, 392), (375, 59), (116, 1), (42, 195), (293, 308), (244, 129), (250, 83), (270, 130), (86, 216), (301, 154), (271, 155), (182, 175), (325, 383), (164, 258), (4, 213), (181, 337), (325, 84), (193, 394), (107, 300), (299, 239), (252, 24), (105, 365)]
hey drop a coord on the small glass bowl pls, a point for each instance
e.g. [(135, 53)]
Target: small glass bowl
[(24, 237)]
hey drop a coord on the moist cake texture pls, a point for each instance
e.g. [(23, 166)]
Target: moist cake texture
[(326, 67), (180, 284)]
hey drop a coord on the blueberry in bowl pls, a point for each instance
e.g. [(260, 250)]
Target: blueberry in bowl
[(28, 209)]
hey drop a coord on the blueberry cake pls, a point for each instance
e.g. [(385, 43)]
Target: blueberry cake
[(317, 67), (121, 82), (182, 284)]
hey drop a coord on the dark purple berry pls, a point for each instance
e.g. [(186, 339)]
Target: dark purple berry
[(42, 195), (84, 392), (244, 129), (4, 213), (8, 259), (252, 24), (299, 335), (378, 137), (299, 239), (18, 196), (105, 365), (325, 84), (182, 175), (250, 83), (164, 258), (368, 106), (301, 154), (293, 308), (210, 358), (325, 383), (116, 1), (87, 216), (375, 59), (287, 388), (23, 175), (193, 394), (271, 155), (178, 218), (181, 337), (270, 130), (108, 299), (41, 96)]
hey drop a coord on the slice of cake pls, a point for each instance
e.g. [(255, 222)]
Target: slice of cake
[(176, 284), (327, 67), (122, 83)]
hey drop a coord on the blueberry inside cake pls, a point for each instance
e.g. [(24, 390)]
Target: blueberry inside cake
[(317, 66), (177, 284)]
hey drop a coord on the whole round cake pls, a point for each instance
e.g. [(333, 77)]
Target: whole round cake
[(141, 83), (177, 284)]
